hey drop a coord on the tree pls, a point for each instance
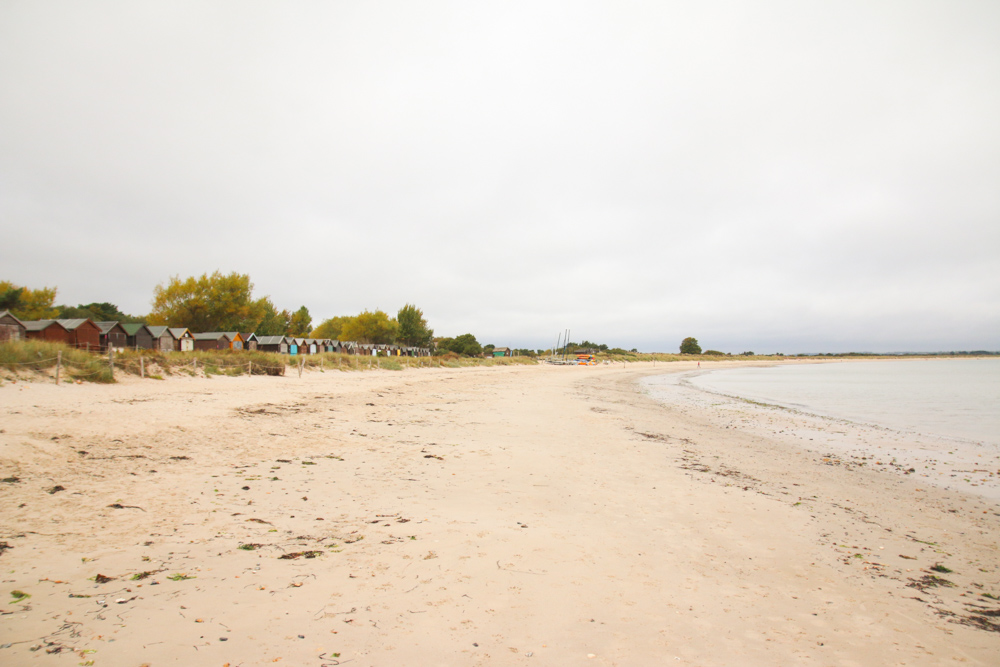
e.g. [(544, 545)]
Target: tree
[(98, 312), (466, 344), (330, 328), (376, 328), (413, 329), (28, 304), (690, 346), (274, 323), (210, 303), (301, 323)]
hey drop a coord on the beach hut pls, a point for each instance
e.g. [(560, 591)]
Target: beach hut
[(138, 336), (49, 330), (84, 334), (163, 340), (250, 341), (235, 339), (212, 340), (273, 344), (11, 328), (112, 335), (313, 346), (184, 339), (501, 352)]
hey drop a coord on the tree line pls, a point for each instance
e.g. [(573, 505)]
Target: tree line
[(226, 302)]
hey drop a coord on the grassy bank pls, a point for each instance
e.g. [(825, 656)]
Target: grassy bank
[(20, 359), (26, 360)]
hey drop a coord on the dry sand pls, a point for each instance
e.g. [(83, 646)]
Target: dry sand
[(507, 515)]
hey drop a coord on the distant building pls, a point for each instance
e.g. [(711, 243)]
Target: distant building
[(138, 336), (11, 328), (112, 335)]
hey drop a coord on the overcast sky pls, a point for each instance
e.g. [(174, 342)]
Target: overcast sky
[(770, 176)]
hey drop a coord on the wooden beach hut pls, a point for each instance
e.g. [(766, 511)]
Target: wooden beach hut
[(49, 330), (273, 344), (163, 339), (212, 340), (501, 352), (184, 338), (138, 336), (235, 340), (250, 341), (11, 328), (112, 335), (84, 334)]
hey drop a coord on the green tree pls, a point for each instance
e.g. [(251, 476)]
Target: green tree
[(368, 327), (690, 346), (301, 323), (28, 304), (466, 345), (331, 328), (214, 302), (274, 323), (413, 329), (98, 312)]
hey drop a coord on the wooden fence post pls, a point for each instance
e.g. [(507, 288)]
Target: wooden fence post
[(111, 361), (58, 365), (142, 366), (250, 369)]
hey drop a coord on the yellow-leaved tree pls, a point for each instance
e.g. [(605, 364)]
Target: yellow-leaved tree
[(331, 328), (213, 302), (370, 327), (28, 304)]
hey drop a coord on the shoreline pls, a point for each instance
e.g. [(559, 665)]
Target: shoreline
[(473, 516)]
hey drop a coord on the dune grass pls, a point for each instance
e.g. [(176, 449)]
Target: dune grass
[(21, 358), (41, 356)]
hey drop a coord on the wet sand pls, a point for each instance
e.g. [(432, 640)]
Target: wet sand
[(473, 516)]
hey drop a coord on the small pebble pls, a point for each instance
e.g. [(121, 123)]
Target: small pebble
[(223, 639)]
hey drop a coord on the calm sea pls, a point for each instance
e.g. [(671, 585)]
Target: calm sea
[(955, 398)]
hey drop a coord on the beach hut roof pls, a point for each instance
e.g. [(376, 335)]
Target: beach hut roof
[(105, 327), (7, 313), (40, 325), (158, 331), (211, 335), (132, 328), (179, 332), (248, 336), (270, 340), (69, 325)]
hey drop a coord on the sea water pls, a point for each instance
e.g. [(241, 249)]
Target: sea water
[(951, 398)]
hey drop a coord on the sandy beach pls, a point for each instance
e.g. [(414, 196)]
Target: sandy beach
[(480, 516)]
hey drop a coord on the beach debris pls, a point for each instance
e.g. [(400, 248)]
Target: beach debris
[(180, 577), (119, 506), (101, 579), (260, 521), (434, 456), (10, 480), (938, 567), (929, 581), (56, 489), (250, 546), (19, 596), (3, 547), (139, 576), (907, 557), (300, 554), (180, 458)]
